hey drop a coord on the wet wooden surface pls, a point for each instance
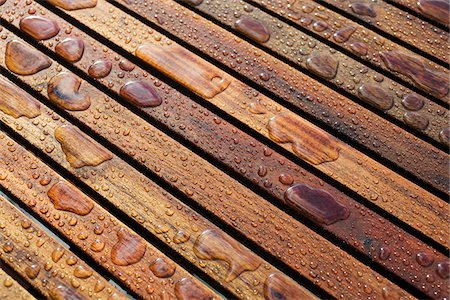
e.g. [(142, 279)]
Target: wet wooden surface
[(257, 149)]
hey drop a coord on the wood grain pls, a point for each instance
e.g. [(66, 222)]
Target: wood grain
[(435, 10), (10, 289), (353, 121), (209, 183), (267, 170), (384, 182)]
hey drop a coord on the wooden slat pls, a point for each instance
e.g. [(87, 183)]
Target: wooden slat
[(10, 289), (40, 259), (349, 167), (399, 24), (437, 11), (175, 218), (272, 181), (355, 122), (342, 71), (90, 227), (239, 207), (346, 34)]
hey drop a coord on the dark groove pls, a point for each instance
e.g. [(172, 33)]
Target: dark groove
[(109, 207), (418, 15), (20, 280), (78, 251), (369, 152), (221, 224), (381, 32), (388, 74), (325, 82)]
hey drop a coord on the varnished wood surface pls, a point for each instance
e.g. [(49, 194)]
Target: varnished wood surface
[(241, 149)]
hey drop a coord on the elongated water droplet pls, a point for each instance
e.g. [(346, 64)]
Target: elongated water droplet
[(413, 102), (344, 34), (438, 10), (376, 96), (22, 59), (67, 198), (363, 9), (253, 28), (140, 93), (74, 4), (187, 289), (280, 287), (15, 102), (323, 65), (39, 28)]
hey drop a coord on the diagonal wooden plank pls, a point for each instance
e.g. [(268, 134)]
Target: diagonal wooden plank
[(339, 160), (355, 122), (215, 191), (41, 260), (436, 10), (173, 217), (133, 261), (10, 289), (275, 177)]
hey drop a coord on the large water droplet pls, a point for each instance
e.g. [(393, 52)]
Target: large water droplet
[(344, 34), (416, 120), (62, 292), (80, 150), (129, 248), (212, 244), (15, 102), (187, 289), (100, 68), (280, 287), (32, 271), (363, 9), (308, 141), (376, 96), (413, 102), (253, 28), (63, 90), (323, 65), (67, 198), (22, 59), (74, 4), (39, 28), (71, 49), (438, 10), (140, 93), (162, 267)]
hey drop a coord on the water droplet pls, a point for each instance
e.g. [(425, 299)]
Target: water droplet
[(126, 65), (22, 59), (376, 96), (181, 237), (8, 282), (100, 68), (162, 268), (57, 254), (424, 259), (363, 9), (140, 93), (74, 4), (32, 271), (63, 90), (80, 150), (320, 26), (186, 68), (444, 135), (416, 120), (82, 272), (443, 269), (187, 289), (192, 2), (8, 247), (323, 65), (279, 287), (286, 179), (67, 198), (128, 250), (308, 141), (15, 102), (253, 29), (71, 49), (438, 10), (413, 102), (415, 68), (344, 34), (212, 244), (97, 245), (62, 292), (316, 204), (384, 253), (39, 28), (359, 48)]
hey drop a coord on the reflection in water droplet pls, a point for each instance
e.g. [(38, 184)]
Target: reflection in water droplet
[(323, 65), (280, 287), (376, 96), (100, 68), (67, 198), (162, 268), (128, 250), (187, 289), (424, 259), (308, 141), (22, 59), (71, 49), (363, 9), (415, 68), (438, 10), (384, 253), (126, 65), (253, 29), (39, 28), (443, 269), (359, 48), (416, 120), (316, 204), (80, 150), (140, 93), (413, 102), (344, 34), (63, 90), (74, 4), (186, 68), (15, 102), (212, 244)]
